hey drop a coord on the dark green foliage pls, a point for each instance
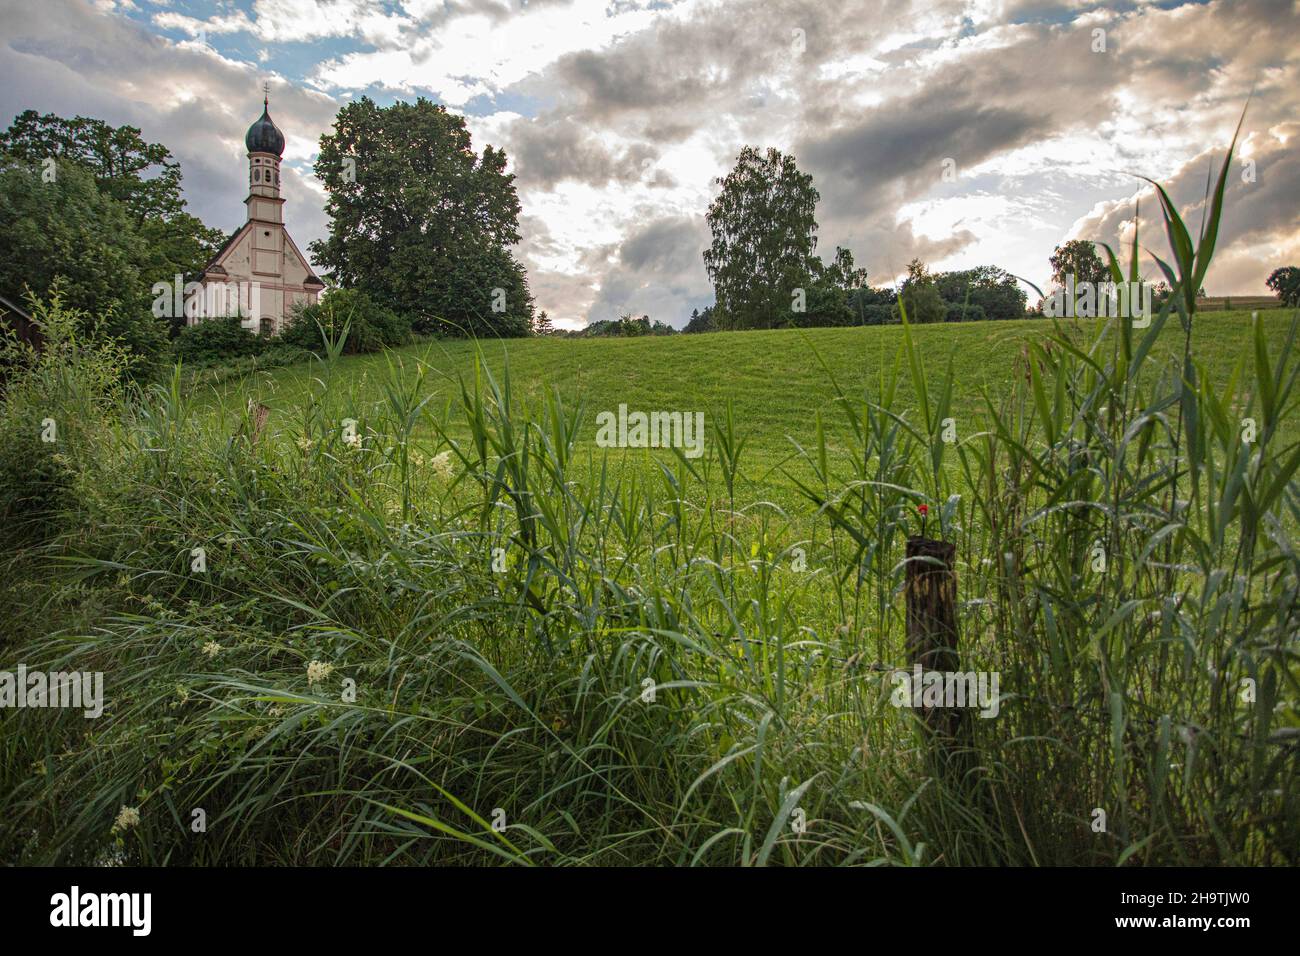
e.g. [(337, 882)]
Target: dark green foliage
[(53, 417), (876, 314), (701, 321), (626, 326), (67, 230), (920, 297), (217, 340), (830, 293), (997, 293), (370, 326), (964, 312), (421, 222), (107, 215), (1285, 283)]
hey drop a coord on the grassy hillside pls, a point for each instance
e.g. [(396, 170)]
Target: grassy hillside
[(776, 380)]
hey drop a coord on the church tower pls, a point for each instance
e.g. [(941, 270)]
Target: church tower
[(262, 255)]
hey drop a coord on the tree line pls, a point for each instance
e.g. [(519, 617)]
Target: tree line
[(421, 229)]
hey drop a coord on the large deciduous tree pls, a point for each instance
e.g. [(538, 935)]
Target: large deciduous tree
[(420, 222), (1285, 283), (764, 236), (62, 228), (919, 297), (142, 176), (1078, 258)]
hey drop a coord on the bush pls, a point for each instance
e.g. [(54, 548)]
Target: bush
[(923, 303), (877, 314), (371, 327), (216, 341), (965, 312), (53, 414), (276, 355)]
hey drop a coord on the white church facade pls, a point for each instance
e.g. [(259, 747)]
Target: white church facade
[(262, 256)]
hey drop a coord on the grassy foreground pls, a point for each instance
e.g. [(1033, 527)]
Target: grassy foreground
[(666, 667)]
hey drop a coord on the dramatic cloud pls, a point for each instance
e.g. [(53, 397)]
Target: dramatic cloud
[(962, 132)]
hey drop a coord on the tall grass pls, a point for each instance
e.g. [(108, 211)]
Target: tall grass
[(540, 657)]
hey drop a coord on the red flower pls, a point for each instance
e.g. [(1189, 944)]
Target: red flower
[(923, 509)]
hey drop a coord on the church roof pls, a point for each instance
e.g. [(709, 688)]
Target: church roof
[(264, 136), (215, 268)]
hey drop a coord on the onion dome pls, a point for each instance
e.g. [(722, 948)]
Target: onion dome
[(263, 136)]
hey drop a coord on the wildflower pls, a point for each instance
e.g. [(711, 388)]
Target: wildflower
[(306, 444), (352, 440), (318, 671), (212, 648), (442, 466), (127, 817)]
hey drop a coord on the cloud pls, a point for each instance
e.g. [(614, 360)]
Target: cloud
[(658, 270), (618, 116), (1260, 228)]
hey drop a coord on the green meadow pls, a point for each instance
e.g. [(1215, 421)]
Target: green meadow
[(778, 382)]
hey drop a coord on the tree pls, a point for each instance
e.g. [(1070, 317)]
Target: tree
[(142, 176), (920, 297), (764, 236), (832, 288), (420, 222), (1285, 283), (63, 230), (1079, 258), (542, 324), (701, 321), (995, 292)]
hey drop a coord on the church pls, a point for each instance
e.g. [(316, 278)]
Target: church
[(262, 255)]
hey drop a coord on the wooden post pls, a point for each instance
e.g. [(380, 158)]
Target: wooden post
[(931, 589)]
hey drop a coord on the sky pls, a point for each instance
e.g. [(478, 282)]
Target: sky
[(963, 133)]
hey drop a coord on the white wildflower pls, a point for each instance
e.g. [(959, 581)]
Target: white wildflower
[(442, 466), (318, 671), (127, 817)]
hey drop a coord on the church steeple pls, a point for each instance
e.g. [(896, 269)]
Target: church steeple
[(265, 145)]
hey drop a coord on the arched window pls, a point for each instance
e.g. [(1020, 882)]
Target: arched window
[(267, 325), (257, 174)]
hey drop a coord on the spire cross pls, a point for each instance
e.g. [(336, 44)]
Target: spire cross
[(266, 94)]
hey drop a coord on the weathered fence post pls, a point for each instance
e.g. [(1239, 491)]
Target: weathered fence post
[(931, 591)]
